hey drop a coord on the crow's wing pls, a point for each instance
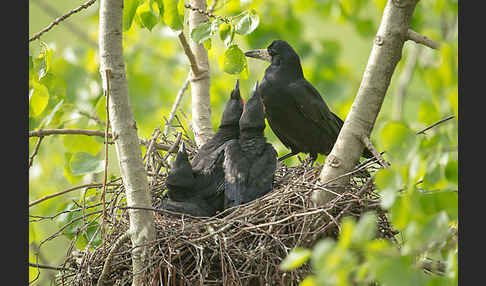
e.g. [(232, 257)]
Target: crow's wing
[(208, 156), (312, 106), (262, 171), (236, 167), (192, 206)]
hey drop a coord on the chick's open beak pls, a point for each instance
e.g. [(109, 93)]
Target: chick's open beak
[(262, 54)]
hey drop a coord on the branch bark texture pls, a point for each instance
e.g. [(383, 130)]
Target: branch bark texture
[(200, 82), (125, 131), (385, 54)]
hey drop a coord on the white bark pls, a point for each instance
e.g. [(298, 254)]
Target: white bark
[(125, 131), (200, 82), (386, 53)]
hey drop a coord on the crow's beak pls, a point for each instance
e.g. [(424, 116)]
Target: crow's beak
[(262, 54), (182, 147)]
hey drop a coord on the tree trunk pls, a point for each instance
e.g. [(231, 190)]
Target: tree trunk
[(200, 83), (386, 53), (125, 132)]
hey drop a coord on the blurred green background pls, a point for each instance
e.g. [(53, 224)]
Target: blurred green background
[(333, 39)]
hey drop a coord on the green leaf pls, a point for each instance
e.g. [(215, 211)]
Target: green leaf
[(451, 171), (226, 33), (233, 60), (100, 108), (401, 214), (31, 62), (207, 44), (129, 9), (43, 62), (160, 4), (295, 258), (81, 143), (428, 113), (388, 183), (365, 229), (55, 84), (149, 20), (399, 272), (347, 228), (320, 251), (172, 17), (398, 140), (68, 217), (67, 173), (50, 116), (420, 236), (31, 233), (83, 163), (38, 98), (310, 280), (248, 23), (201, 33)]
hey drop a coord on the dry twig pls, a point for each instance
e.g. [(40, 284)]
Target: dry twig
[(61, 18)]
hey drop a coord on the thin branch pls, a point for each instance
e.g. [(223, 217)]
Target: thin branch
[(150, 149), (367, 142), (66, 191), (421, 39), (176, 104), (174, 147), (61, 18), (435, 124), (40, 257), (51, 11), (92, 117), (37, 145), (50, 267), (189, 54), (207, 13), (46, 132), (109, 258)]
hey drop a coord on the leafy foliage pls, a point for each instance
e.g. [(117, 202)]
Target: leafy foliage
[(333, 39)]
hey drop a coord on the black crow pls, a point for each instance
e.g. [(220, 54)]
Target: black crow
[(295, 110), (207, 164), (184, 192), (249, 162), (228, 129)]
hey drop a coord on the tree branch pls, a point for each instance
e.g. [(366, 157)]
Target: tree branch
[(123, 124), (37, 145), (176, 104), (50, 267), (189, 54), (385, 54), (66, 191), (109, 258), (47, 132), (435, 124), (200, 83), (61, 18), (367, 142), (421, 39)]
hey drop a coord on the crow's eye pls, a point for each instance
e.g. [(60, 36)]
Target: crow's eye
[(272, 52)]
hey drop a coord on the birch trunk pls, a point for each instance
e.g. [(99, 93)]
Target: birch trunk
[(200, 83), (385, 54), (125, 132)]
